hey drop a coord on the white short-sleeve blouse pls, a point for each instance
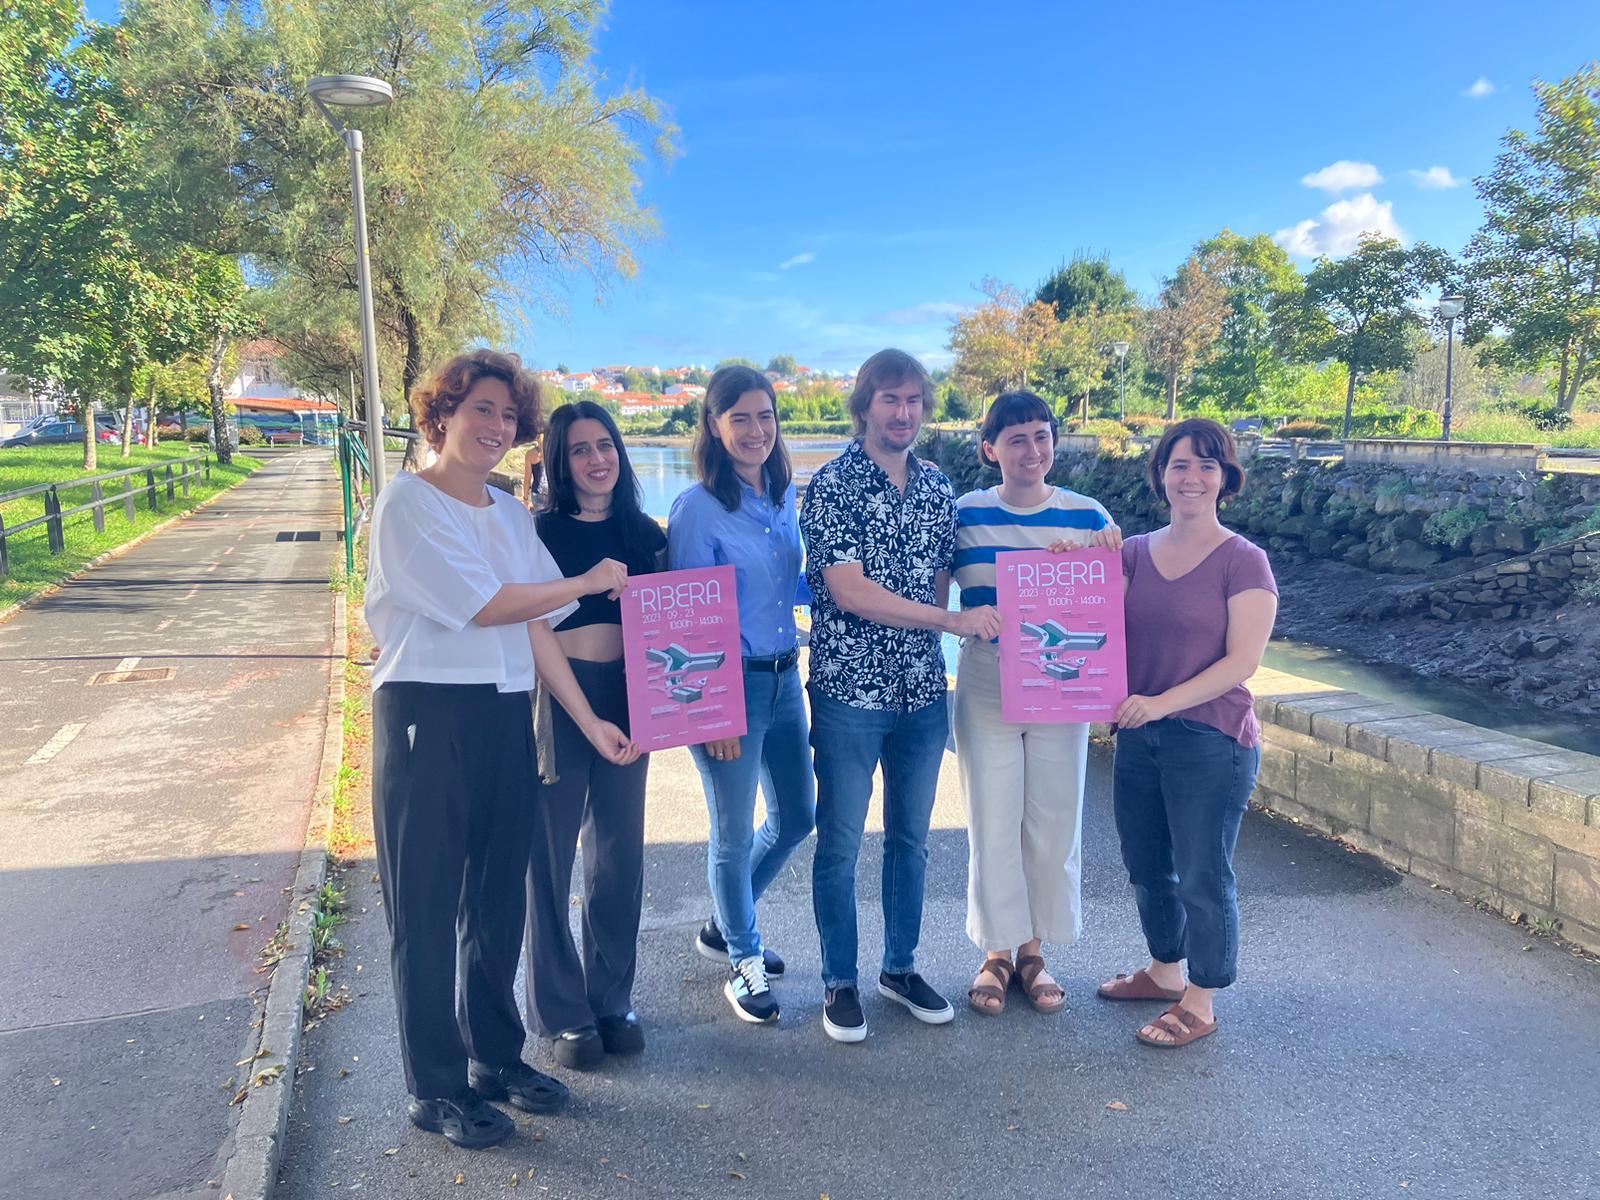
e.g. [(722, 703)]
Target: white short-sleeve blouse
[(434, 562)]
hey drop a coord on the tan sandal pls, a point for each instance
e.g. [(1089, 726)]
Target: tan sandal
[(1138, 986), (1181, 1025), (1000, 969), (1044, 997)]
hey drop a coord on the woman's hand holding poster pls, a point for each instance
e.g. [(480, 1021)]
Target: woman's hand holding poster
[(1063, 657), (680, 645)]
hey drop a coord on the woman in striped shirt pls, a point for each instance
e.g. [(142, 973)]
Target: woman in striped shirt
[(1023, 782)]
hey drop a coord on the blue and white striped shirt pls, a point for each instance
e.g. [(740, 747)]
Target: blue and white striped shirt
[(986, 525)]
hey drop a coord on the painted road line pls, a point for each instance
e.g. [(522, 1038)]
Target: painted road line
[(227, 552), (55, 745), (126, 664), (189, 595), (164, 624), (212, 568)]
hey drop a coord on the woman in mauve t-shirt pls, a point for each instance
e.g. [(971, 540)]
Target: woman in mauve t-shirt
[(1200, 605)]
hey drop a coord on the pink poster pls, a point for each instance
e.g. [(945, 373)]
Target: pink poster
[(1062, 654), (680, 645)]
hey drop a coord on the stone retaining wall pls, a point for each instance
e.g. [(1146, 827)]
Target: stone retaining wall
[(1517, 587), (1459, 456), (1510, 822)]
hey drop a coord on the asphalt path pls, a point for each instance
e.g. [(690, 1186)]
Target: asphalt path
[(1385, 1039), (161, 729)]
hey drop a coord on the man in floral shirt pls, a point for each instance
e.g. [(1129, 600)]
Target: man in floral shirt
[(880, 531)]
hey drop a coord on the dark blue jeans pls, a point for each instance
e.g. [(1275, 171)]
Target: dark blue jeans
[(848, 743), (1180, 792), (774, 755)]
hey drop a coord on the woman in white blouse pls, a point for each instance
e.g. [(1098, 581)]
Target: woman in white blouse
[(462, 597)]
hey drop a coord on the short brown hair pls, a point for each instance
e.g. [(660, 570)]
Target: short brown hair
[(448, 387), (886, 368), (1209, 440)]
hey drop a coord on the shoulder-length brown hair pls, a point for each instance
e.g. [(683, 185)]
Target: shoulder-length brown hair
[(448, 387), (1209, 440), (886, 368), (711, 461)]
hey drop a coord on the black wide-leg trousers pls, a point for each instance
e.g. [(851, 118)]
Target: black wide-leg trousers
[(453, 770), (600, 805)]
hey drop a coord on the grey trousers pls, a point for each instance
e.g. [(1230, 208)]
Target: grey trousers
[(603, 806)]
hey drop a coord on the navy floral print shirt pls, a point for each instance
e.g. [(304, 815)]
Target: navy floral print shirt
[(853, 513)]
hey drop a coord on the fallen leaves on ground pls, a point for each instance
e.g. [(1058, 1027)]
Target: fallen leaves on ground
[(265, 1077), (1117, 1106), (460, 1178), (737, 1175)]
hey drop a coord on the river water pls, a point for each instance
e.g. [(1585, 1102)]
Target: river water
[(664, 471)]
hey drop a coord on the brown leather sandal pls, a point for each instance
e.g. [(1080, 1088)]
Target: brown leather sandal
[(1001, 970), (1138, 986), (1044, 997), (1183, 1026)]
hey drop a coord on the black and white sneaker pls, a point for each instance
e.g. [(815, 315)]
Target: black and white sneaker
[(842, 1018), (749, 994), (912, 991), (709, 943)]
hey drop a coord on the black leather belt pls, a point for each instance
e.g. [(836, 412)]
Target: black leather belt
[(776, 663)]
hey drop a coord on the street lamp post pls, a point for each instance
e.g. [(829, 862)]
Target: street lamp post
[(1121, 349), (1449, 308), (360, 91)]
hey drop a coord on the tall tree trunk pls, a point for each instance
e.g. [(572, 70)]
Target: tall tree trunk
[(1569, 398), (1349, 402), (1561, 384), (1172, 395), (90, 435), (150, 414), (127, 415), (219, 412), (409, 374)]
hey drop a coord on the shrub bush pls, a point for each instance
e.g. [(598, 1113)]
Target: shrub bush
[(1146, 424), (1452, 527), (1304, 429), (199, 433), (1547, 418), (249, 435)]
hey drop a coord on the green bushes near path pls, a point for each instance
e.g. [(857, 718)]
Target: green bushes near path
[(33, 567)]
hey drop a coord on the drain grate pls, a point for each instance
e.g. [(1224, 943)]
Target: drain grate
[(299, 535), (141, 675)]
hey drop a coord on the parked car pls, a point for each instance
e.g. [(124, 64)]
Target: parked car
[(52, 433)]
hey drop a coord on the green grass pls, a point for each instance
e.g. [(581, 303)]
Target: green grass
[(33, 567)]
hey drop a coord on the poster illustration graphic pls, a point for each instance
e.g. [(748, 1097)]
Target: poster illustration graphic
[(1062, 654), (680, 645)]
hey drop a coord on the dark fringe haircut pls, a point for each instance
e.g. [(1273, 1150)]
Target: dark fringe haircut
[(1209, 440), (1014, 408), (561, 493)]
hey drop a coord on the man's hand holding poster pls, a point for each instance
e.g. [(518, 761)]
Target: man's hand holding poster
[(1062, 654)]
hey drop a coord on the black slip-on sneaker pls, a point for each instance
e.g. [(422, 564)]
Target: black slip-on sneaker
[(912, 992), (578, 1049), (621, 1034), (842, 1018)]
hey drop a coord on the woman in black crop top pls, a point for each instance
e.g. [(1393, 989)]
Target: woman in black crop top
[(584, 1003)]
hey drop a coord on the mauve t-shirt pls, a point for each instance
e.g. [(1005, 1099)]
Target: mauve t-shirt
[(1179, 627)]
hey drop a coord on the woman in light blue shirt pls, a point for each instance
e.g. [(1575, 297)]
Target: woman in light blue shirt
[(742, 514)]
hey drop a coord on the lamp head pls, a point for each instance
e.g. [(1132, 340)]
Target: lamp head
[(350, 91), (1121, 348), (1450, 306)]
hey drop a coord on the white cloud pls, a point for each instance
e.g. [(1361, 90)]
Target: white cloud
[(798, 260), (1435, 179), (1343, 176), (920, 314), (1479, 89), (1338, 228)]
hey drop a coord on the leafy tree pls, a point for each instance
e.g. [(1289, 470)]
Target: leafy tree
[(1181, 329), (784, 364), (503, 165), (1086, 282), (1001, 344), (1359, 309), (685, 417), (564, 369), (1261, 285), (954, 405), (735, 362), (1534, 266)]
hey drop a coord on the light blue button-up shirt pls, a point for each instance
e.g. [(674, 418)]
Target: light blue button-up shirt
[(761, 542)]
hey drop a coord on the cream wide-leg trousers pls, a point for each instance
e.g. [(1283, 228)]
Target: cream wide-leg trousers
[(1024, 792)]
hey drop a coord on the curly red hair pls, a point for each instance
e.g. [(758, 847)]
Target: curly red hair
[(448, 387)]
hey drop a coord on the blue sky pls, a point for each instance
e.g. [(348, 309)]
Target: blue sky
[(849, 172)]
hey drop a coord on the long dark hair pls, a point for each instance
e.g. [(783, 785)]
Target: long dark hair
[(711, 461), (561, 493)]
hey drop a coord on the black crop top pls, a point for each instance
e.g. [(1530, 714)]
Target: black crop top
[(578, 545)]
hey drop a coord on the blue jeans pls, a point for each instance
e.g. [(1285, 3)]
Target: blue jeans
[(774, 753), (1180, 791), (849, 743)]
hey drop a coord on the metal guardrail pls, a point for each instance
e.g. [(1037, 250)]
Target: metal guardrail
[(54, 519)]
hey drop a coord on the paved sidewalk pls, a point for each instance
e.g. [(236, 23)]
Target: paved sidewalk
[(149, 829), (1386, 1040)]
